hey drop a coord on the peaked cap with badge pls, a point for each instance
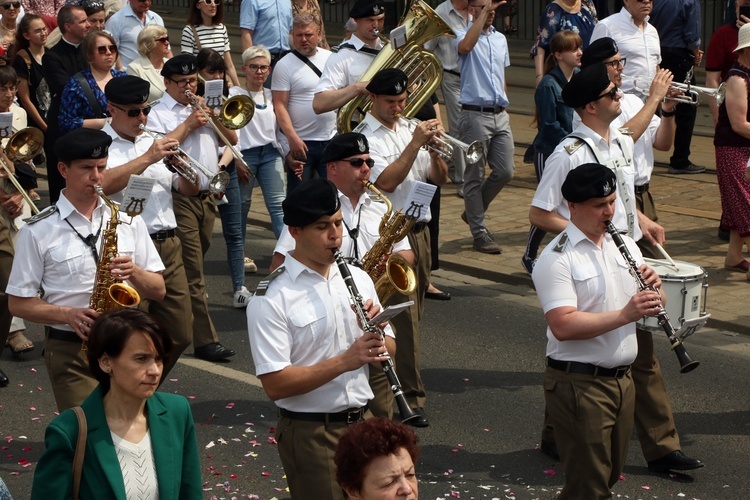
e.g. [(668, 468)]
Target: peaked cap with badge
[(390, 81), (83, 144), (345, 145), (587, 181), (366, 8), (127, 89)]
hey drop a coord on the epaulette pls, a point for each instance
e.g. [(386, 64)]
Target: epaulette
[(263, 285), (574, 146), (625, 131), (560, 246), (41, 215)]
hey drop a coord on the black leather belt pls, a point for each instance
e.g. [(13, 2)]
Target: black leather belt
[(162, 235), (64, 335), (456, 73), (641, 189), (483, 109), (418, 227), (348, 416), (587, 369)]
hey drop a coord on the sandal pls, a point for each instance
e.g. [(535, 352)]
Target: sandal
[(742, 267), (18, 343)]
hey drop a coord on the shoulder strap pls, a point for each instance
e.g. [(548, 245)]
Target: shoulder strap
[(195, 38), (24, 53), (307, 61), (89, 95), (80, 450)]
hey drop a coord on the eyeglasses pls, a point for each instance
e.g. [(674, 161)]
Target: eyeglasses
[(15, 5), (211, 2), (163, 39), (645, 1), (104, 49), (254, 68), (618, 63), (612, 94), (184, 83), (135, 112), (41, 31), (358, 162)]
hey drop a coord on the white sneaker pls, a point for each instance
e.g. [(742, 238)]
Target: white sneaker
[(241, 297), (250, 266)]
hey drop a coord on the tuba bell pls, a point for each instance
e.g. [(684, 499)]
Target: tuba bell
[(422, 67)]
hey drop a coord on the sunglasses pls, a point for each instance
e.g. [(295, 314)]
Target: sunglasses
[(104, 49), (211, 2), (619, 63), (358, 162), (15, 5), (163, 39), (612, 94), (135, 112)]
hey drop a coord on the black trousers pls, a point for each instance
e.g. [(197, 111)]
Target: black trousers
[(679, 62)]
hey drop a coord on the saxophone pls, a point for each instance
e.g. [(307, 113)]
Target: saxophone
[(397, 275), (110, 294)]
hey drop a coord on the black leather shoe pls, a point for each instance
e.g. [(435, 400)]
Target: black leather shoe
[(3, 379), (421, 421), (676, 460), (213, 352), (550, 449), (437, 295)]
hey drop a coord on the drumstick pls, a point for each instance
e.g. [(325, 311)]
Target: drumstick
[(666, 256)]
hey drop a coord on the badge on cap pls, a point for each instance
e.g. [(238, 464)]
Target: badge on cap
[(185, 69), (376, 10), (361, 145), (96, 153), (606, 189)]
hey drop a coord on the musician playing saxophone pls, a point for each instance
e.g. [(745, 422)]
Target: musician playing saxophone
[(58, 252), (309, 352), (591, 304), (347, 159)]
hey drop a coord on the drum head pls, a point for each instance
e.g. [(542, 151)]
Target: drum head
[(667, 271)]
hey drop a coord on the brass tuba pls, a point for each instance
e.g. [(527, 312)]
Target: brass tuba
[(421, 67), (398, 275), (110, 294)]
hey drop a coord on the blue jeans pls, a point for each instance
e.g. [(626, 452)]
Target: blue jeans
[(312, 164), (266, 164), (233, 227)]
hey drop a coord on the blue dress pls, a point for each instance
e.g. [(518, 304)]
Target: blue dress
[(554, 18), (75, 107)]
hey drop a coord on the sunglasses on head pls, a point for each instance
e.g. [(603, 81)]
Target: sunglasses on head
[(103, 49), (135, 112), (358, 162), (8, 5)]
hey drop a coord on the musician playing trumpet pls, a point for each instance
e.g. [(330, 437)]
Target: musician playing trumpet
[(309, 352), (134, 152), (591, 304), (178, 119)]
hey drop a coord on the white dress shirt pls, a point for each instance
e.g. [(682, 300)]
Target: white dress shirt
[(346, 66), (442, 46)]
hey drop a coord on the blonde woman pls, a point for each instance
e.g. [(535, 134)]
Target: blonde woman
[(153, 47)]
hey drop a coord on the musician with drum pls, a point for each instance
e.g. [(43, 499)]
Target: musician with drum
[(309, 352), (591, 303)]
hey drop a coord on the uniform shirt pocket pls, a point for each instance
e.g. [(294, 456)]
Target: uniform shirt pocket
[(587, 279), (70, 261), (309, 323)]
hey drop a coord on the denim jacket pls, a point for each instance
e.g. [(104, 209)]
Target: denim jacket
[(555, 118)]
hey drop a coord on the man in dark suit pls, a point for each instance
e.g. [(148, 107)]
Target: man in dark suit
[(61, 62)]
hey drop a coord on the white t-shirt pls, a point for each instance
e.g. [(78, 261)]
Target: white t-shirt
[(262, 129)]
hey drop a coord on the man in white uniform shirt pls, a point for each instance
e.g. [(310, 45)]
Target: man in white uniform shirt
[(340, 80), (58, 252), (591, 304), (310, 353), (133, 152), (400, 160), (348, 161), (175, 117), (293, 84)]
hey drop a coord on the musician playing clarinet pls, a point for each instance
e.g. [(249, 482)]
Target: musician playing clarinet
[(591, 303), (309, 352)]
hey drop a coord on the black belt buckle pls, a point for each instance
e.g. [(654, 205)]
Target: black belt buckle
[(353, 417), (160, 236)]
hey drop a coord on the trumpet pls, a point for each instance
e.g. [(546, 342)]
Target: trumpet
[(691, 94), (445, 144), (189, 167), (237, 156), (22, 146)]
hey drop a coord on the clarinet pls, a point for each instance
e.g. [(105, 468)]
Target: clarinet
[(359, 308), (686, 364)]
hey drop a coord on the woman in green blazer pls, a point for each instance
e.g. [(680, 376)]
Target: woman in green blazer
[(140, 444)]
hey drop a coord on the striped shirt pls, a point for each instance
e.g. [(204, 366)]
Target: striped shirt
[(210, 37)]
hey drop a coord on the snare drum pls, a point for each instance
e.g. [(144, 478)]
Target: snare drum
[(685, 291)]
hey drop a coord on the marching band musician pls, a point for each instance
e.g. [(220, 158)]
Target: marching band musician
[(348, 162), (591, 304), (400, 160), (195, 215), (58, 252), (340, 80), (309, 352), (133, 152)]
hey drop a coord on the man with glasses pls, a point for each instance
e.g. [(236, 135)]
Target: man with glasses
[(60, 62), (267, 23), (134, 152), (293, 84), (483, 56), (126, 23), (347, 158), (195, 215)]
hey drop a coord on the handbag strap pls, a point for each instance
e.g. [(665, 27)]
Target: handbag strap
[(307, 61), (196, 39), (80, 450), (95, 106)]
